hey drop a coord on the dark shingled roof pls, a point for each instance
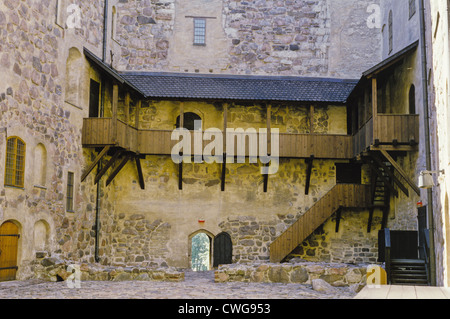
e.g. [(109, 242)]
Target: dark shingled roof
[(234, 87)]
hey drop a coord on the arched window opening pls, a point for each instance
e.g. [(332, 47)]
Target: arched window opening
[(189, 121), (40, 165), (74, 66), (114, 23), (41, 235), (15, 162)]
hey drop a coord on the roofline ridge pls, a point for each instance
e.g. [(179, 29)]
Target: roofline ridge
[(237, 76)]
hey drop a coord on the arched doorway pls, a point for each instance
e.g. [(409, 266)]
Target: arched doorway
[(200, 252), (9, 240), (223, 249)]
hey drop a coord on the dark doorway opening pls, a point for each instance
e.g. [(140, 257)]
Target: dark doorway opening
[(94, 98), (223, 250)]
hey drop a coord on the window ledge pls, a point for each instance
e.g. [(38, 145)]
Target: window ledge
[(15, 187)]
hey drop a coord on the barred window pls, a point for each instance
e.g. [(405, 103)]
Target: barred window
[(69, 197), (199, 31), (15, 162)]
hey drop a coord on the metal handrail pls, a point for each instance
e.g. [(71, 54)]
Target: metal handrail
[(425, 249), (387, 253)]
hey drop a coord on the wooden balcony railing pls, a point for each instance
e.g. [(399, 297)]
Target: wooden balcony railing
[(98, 132), (396, 131)]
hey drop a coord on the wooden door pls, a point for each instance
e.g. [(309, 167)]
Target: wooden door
[(223, 250), (9, 238)]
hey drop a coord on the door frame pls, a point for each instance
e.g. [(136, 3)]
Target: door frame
[(211, 245)]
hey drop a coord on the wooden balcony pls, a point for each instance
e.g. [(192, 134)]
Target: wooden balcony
[(390, 132), (101, 132)]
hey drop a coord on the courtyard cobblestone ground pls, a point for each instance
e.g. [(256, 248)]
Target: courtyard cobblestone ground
[(197, 285)]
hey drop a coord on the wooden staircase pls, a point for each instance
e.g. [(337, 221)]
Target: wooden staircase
[(340, 196)]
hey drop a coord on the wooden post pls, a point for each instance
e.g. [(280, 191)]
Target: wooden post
[(181, 114), (269, 143), (115, 102), (127, 119), (224, 159), (136, 115), (311, 119), (127, 107), (269, 127), (374, 107)]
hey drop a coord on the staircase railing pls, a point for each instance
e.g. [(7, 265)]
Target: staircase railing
[(341, 195), (425, 250), (387, 253)]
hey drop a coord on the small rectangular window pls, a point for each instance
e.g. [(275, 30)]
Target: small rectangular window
[(70, 183), (15, 162), (199, 31), (412, 8)]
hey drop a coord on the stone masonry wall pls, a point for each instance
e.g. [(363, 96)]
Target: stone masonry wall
[(276, 37), (33, 52)]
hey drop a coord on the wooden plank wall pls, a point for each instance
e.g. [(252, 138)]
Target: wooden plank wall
[(387, 127), (341, 195), (97, 131), (401, 127)]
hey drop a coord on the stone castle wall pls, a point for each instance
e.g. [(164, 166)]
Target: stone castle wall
[(306, 38)]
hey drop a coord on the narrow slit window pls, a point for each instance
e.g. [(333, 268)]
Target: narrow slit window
[(70, 183), (199, 31), (15, 162), (391, 32), (412, 8)]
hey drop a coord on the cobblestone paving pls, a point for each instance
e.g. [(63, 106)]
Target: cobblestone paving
[(195, 286)]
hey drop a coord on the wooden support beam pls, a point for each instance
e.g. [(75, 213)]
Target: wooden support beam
[(338, 218), (115, 103), (127, 107), (225, 126), (224, 170), (308, 173), (117, 169), (266, 179), (181, 114), (95, 162), (374, 98), (136, 114), (401, 171), (311, 119), (139, 170), (269, 143), (269, 127), (180, 170), (391, 175), (107, 166)]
